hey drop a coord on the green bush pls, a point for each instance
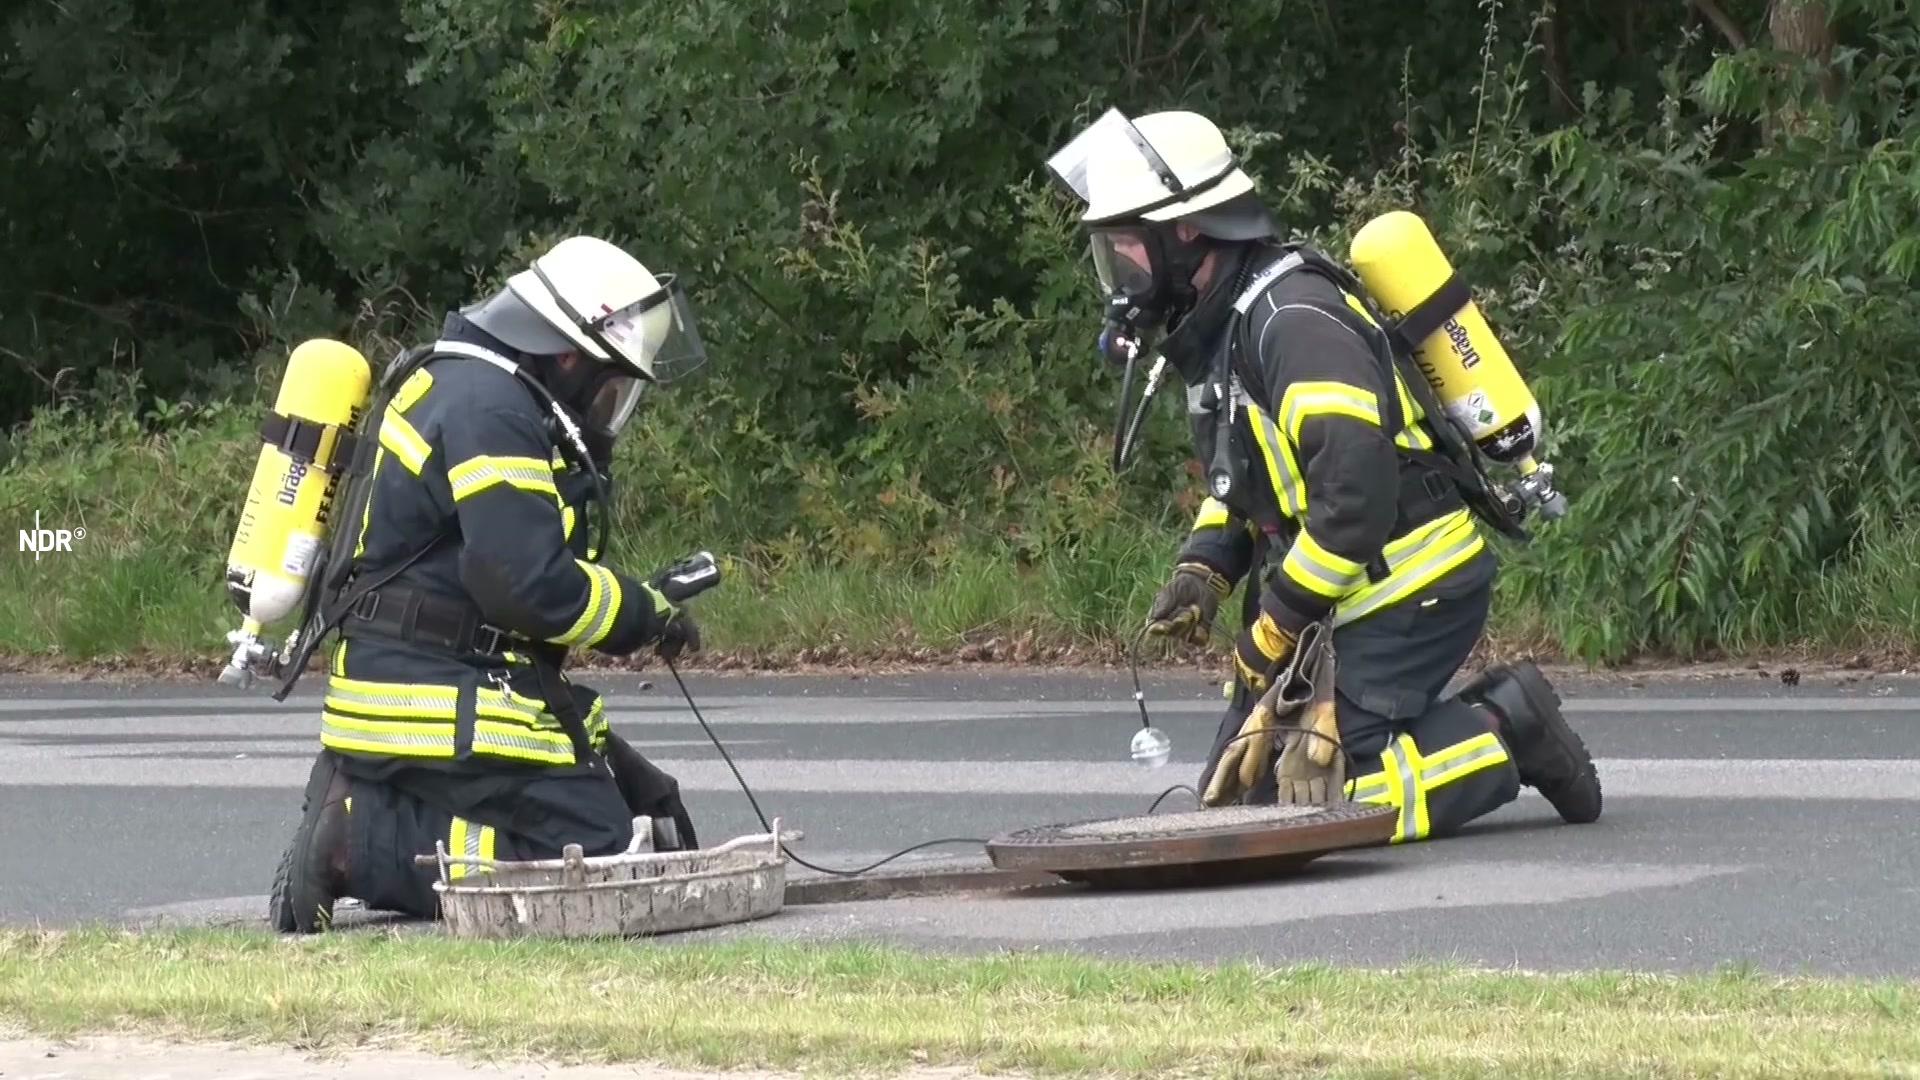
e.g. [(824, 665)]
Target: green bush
[(1702, 257)]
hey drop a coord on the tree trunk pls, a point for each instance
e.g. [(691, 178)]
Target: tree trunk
[(1554, 60), (1718, 16), (1803, 27)]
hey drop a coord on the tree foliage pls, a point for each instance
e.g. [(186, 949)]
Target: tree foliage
[(1692, 221)]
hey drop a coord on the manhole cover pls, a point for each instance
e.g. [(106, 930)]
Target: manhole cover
[(1226, 844)]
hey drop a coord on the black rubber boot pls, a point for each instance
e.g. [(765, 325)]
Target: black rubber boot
[(313, 872), (1549, 756)]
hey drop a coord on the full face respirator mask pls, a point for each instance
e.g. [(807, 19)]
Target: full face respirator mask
[(1146, 273)]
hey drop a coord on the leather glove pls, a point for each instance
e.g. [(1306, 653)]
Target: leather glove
[(1260, 650), (1312, 769), (1244, 759), (1187, 603)]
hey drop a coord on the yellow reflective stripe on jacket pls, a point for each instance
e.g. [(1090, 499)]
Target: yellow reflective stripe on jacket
[(1305, 400), (521, 743), (399, 437), (402, 738), (413, 389), (1415, 561), (391, 738), (566, 523), (1320, 571), (366, 512), (602, 608), (1213, 513), (424, 701), (1282, 465), (596, 723), (475, 475), (1411, 434), (394, 699)]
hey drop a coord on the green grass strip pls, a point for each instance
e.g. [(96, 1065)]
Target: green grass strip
[(844, 1008)]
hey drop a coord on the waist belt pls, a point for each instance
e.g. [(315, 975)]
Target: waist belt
[(420, 617), (1426, 493)]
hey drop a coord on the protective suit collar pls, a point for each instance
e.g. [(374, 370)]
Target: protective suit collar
[(1194, 341), (458, 329)]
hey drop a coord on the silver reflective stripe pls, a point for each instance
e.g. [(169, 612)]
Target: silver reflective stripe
[(603, 597), (1409, 790), (1266, 279), (499, 702), (501, 741), (480, 473), (1415, 563), (394, 699), (1298, 404), (1284, 482), (473, 839), (1339, 583), (385, 738), (1447, 773), (1368, 787), (476, 352)]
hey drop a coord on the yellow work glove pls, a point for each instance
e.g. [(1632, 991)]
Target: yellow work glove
[(1244, 759), (1312, 769), (1260, 650)]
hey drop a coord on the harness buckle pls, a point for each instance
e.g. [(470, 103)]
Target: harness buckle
[(366, 607), (490, 640)]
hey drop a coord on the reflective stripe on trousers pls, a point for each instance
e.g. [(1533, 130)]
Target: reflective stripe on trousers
[(469, 840), (1407, 778)]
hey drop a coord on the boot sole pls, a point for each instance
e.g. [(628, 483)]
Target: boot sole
[(1577, 800), (292, 892)]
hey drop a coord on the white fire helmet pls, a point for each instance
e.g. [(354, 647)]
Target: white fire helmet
[(1163, 166), (610, 307)]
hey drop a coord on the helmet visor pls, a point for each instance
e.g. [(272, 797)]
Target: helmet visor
[(1118, 145), (657, 336), (1123, 261)]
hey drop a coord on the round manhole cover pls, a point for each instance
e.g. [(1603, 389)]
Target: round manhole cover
[(1227, 843)]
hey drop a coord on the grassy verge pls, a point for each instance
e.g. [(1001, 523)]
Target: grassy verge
[(847, 1007), (143, 587)]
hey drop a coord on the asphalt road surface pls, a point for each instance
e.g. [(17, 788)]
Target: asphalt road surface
[(1747, 823)]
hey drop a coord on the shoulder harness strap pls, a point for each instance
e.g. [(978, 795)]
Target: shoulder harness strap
[(1392, 343)]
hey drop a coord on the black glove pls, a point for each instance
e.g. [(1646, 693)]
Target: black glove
[(647, 789), (1187, 603), (680, 633)]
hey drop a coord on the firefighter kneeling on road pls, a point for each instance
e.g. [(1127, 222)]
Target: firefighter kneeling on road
[(446, 716), (1316, 463)]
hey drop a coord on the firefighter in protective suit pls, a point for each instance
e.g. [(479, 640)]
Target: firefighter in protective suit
[(1331, 512), (446, 716)]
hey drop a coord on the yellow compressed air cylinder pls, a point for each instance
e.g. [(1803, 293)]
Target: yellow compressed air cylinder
[(287, 516), (1401, 264)]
